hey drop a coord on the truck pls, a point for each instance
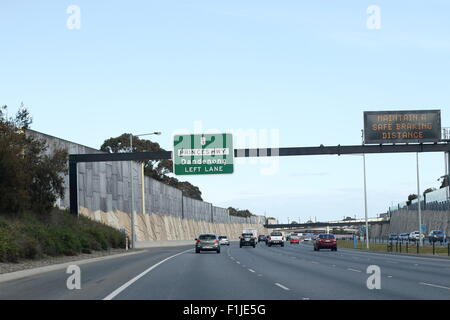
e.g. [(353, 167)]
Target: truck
[(254, 232)]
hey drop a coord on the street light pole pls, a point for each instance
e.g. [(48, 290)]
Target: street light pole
[(365, 194), (419, 209), (142, 187), (132, 197)]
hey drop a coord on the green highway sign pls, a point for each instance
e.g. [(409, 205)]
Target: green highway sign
[(203, 154)]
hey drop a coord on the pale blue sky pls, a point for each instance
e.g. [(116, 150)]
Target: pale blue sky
[(307, 69)]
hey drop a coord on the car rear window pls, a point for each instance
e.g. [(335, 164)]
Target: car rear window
[(207, 237), (222, 237), (247, 234), (326, 236), (276, 234)]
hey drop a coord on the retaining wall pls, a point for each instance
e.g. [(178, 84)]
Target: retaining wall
[(403, 221)]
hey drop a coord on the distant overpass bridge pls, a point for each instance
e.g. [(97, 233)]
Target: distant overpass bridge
[(330, 224)]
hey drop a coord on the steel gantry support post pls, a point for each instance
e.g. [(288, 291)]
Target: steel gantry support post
[(73, 186)]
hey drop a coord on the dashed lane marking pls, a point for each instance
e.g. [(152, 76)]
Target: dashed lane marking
[(282, 287), (434, 285)]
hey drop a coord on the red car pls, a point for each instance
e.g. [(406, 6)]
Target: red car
[(294, 239), (325, 241)]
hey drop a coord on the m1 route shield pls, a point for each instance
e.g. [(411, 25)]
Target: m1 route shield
[(203, 154)]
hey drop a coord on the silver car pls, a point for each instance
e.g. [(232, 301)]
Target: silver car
[(223, 241), (207, 242)]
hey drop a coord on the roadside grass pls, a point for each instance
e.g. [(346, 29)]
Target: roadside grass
[(403, 248), (28, 236)]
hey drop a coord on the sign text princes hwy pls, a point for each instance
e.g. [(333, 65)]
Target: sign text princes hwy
[(203, 154)]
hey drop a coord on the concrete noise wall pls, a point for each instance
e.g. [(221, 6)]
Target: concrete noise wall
[(105, 187), (406, 221), (153, 227)]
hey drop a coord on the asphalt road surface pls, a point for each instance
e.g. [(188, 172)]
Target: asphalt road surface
[(293, 272)]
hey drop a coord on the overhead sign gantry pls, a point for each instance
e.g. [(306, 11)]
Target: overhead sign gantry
[(418, 131)]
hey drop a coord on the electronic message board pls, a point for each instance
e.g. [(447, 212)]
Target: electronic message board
[(203, 154), (402, 126)]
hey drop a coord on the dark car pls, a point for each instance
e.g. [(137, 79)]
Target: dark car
[(207, 242), (393, 236), (247, 239), (325, 241), (436, 235), (403, 237), (261, 238)]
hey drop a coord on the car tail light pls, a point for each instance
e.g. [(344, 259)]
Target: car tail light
[(198, 241), (217, 241)]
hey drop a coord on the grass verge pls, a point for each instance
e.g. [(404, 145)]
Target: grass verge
[(383, 247), (28, 236)]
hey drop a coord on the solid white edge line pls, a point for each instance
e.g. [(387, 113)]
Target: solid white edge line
[(281, 286), (434, 285), (251, 270), (354, 270), (113, 294)]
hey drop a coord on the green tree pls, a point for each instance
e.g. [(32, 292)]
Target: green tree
[(30, 179), (160, 170), (239, 213)]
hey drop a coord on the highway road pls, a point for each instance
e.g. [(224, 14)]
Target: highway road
[(293, 272)]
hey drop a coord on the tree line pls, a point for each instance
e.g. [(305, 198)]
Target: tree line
[(30, 179)]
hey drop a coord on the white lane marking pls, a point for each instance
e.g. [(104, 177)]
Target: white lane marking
[(251, 270), (238, 262), (315, 262), (434, 285), (354, 270), (282, 287), (113, 294), (389, 276)]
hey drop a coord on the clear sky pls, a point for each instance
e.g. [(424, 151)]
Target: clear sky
[(297, 73)]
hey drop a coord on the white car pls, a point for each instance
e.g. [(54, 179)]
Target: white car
[(223, 241), (414, 236)]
